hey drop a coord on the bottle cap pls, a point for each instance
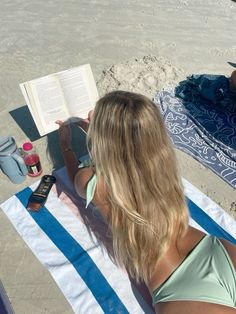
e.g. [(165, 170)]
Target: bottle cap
[(27, 146)]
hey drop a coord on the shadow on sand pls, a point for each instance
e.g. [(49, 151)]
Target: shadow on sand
[(23, 118)]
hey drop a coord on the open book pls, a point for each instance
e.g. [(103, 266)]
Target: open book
[(59, 96)]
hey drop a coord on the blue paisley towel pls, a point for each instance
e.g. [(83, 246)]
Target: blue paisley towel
[(200, 115)]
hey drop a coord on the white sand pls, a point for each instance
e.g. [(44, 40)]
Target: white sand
[(146, 75)]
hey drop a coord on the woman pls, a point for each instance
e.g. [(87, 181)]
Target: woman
[(133, 180)]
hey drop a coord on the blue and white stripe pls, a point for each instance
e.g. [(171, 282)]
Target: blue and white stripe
[(90, 281), (207, 215)]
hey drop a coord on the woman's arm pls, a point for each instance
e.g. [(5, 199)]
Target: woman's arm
[(70, 159), (78, 176)]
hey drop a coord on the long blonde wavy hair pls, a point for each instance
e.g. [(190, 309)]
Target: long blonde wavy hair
[(132, 152)]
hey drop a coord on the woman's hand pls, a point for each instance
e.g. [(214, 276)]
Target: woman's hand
[(64, 135), (84, 123), (65, 130)]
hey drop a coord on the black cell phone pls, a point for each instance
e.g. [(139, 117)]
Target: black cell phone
[(38, 198)]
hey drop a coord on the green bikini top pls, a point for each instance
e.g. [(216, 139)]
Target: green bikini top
[(92, 183), (207, 274)]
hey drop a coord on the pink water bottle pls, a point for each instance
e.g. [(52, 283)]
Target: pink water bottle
[(31, 159)]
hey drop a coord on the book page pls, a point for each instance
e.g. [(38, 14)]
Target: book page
[(49, 101), (29, 100), (80, 90)]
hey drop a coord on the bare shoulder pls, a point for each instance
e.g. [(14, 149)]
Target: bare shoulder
[(192, 307), (81, 179), (231, 249)]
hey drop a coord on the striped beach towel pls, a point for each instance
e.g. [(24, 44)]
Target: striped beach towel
[(74, 244)]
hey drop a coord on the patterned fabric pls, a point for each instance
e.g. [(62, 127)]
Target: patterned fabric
[(203, 129)]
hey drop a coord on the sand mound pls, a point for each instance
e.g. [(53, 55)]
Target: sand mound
[(146, 76)]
